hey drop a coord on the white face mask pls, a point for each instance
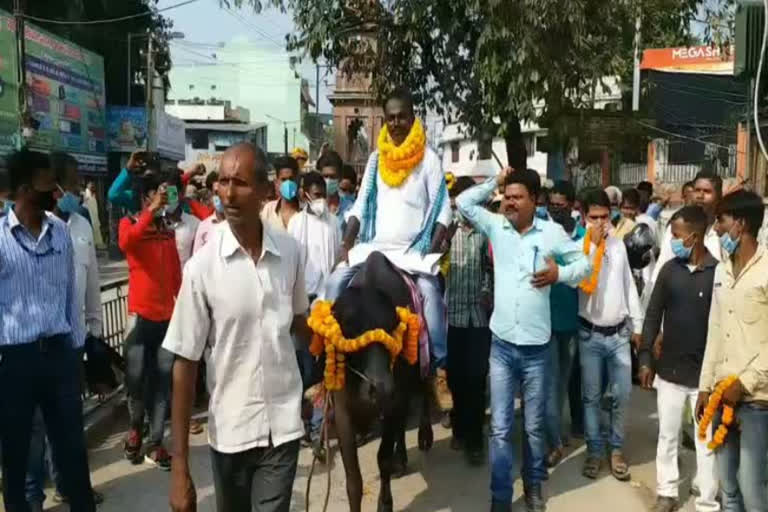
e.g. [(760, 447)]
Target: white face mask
[(319, 206)]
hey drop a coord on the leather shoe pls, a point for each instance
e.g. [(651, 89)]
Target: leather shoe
[(534, 501)]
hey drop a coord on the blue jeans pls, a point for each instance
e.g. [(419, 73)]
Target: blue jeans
[(40, 463), (513, 369), (562, 352), (601, 355), (742, 462), (434, 308)]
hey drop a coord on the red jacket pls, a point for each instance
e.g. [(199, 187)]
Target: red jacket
[(154, 270)]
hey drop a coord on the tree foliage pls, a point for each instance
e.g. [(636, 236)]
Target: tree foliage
[(108, 40), (489, 62)]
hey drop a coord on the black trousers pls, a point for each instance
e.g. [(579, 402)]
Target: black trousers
[(44, 374), (258, 480), (468, 352)]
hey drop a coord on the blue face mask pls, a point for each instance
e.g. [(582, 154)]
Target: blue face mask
[(615, 214), (288, 190), (7, 205), (331, 186), (217, 204), (679, 249), (541, 212), (68, 203), (728, 244)]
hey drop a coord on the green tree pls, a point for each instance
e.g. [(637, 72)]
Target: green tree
[(490, 64)]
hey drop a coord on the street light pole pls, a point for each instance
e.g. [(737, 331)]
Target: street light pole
[(130, 73)]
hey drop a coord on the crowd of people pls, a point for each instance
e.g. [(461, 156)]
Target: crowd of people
[(549, 294)]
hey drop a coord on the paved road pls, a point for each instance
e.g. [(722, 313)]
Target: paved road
[(438, 482)]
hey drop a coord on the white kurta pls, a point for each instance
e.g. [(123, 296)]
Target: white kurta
[(185, 236), (320, 239), (401, 214)]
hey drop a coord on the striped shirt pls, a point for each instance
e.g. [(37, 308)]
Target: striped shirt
[(469, 278), (37, 283)]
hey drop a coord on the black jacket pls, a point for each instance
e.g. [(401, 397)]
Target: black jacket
[(682, 299)]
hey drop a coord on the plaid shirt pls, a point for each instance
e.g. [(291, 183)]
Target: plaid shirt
[(469, 278)]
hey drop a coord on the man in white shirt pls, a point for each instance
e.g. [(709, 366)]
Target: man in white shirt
[(242, 297), (87, 303), (318, 233), (185, 232), (403, 211), (609, 314)]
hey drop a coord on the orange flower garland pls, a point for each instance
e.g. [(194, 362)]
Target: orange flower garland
[(727, 419), (589, 285), (397, 162), (327, 336)]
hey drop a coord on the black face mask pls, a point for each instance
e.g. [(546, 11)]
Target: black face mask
[(563, 217)]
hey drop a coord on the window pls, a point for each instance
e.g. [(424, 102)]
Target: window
[(199, 139), (455, 151), (484, 148)]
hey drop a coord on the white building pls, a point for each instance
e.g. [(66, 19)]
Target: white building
[(212, 127), (461, 155)]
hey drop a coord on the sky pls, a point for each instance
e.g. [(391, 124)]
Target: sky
[(207, 22)]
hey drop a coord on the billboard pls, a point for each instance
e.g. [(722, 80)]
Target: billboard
[(66, 93), (9, 92), (126, 128), (694, 59)]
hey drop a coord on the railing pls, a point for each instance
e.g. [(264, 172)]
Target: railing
[(114, 307), (630, 174)]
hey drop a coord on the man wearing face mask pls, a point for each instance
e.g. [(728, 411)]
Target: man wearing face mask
[(154, 278), (681, 300), (278, 213), (89, 315), (564, 302), (347, 193), (41, 335), (736, 346), (318, 233), (330, 166)]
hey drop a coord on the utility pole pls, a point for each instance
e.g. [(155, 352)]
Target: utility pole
[(317, 88), (130, 73), (151, 135), (636, 71), (18, 13)]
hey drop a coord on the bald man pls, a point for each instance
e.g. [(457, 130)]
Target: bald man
[(246, 277)]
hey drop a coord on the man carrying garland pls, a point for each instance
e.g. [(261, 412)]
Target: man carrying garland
[(403, 212)]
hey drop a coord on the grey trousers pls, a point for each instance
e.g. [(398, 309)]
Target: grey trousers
[(257, 480)]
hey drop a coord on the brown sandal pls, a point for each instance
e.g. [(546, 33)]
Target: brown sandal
[(195, 427), (591, 467), (619, 466)]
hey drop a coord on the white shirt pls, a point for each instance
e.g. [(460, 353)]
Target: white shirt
[(87, 286), (240, 314), (401, 214), (204, 231), (615, 299), (185, 236), (320, 239)]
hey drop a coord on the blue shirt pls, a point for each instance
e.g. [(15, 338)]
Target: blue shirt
[(564, 299), (37, 283), (521, 313)]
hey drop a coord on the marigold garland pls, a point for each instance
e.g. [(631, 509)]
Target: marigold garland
[(327, 337), (397, 162), (727, 418), (589, 284)]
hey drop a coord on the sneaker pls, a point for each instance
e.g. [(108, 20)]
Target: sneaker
[(132, 447), (665, 504), (158, 457), (442, 393)]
